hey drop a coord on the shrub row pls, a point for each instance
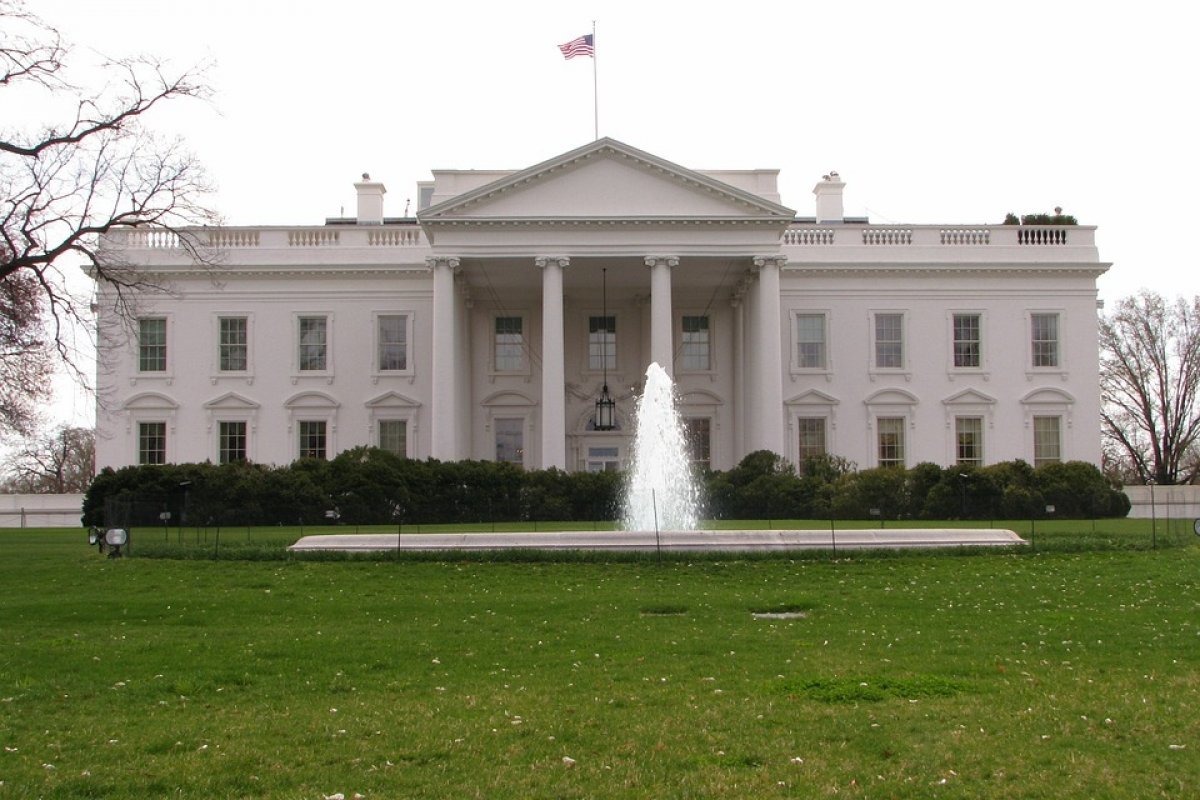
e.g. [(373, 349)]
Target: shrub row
[(370, 486)]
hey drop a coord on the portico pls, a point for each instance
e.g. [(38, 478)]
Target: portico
[(669, 240)]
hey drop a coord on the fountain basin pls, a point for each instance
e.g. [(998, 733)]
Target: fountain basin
[(698, 541)]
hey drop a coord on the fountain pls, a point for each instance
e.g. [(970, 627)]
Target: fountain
[(661, 509), (661, 492)]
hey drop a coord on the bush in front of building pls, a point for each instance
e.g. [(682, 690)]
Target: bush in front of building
[(368, 486)]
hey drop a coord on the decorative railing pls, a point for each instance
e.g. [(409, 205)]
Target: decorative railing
[(233, 237), (887, 236), (1055, 234), (966, 236), (312, 237), (393, 237), (808, 236), (148, 239)]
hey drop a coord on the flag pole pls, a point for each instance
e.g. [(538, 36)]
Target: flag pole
[(595, 92)]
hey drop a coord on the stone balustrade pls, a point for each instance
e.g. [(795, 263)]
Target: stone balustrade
[(801, 235)]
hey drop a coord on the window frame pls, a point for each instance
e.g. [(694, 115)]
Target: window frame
[(297, 344), (522, 449), (875, 342), (1059, 318), (980, 350), (1039, 461), (221, 441), (686, 347), (800, 423), (377, 319), (141, 443), (901, 423), (704, 425), (218, 334), (826, 365), (978, 459), (379, 422), (303, 451), (165, 345), (493, 334), (611, 353)]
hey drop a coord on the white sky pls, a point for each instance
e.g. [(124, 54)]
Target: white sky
[(933, 112)]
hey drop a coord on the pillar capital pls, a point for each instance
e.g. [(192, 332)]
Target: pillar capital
[(769, 261), (433, 262), (664, 261), (547, 261)]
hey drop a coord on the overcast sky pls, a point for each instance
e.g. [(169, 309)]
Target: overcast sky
[(932, 112)]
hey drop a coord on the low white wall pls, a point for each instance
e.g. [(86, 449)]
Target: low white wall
[(1164, 502), (40, 510)]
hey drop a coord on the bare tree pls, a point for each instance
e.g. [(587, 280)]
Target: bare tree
[(94, 170), (1149, 380), (60, 462), (26, 361)]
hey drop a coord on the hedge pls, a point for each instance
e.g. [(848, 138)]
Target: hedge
[(371, 486)]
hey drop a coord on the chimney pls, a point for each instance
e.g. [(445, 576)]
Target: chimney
[(370, 201), (829, 198)]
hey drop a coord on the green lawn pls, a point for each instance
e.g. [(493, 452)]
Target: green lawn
[(1045, 674)]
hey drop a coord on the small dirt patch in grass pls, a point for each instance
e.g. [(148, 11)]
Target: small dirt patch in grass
[(873, 689), (664, 611)]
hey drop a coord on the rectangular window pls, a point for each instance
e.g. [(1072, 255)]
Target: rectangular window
[(510, 344), (152, 442), (510, 440), (314, 333), (889, 341), (812, 438), (393, 342), (232, 344), (1047, 440), (152, 344), (231, 442), (695, 353), (1044, 335), (810, 341), (312, 439), (603, 459), (698, 434), (602, 343), (967, 340), (968, 441), (393, 436), (891, 441)]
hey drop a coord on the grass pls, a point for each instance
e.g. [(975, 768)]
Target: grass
[(1044, 674)]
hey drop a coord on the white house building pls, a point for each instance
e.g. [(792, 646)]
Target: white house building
[(486, 327)]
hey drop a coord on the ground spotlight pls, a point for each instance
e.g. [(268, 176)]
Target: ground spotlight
[(112, 540)]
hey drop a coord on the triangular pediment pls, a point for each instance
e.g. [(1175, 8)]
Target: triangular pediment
[(231, 401), (606, 180), (813, 397), (392, 400), (970, 397)]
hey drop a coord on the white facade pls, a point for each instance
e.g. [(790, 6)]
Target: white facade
[(477, 329)]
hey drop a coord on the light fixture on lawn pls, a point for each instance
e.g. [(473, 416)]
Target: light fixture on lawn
[(606, 407)]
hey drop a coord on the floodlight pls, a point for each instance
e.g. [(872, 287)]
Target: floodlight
[(116, 538)]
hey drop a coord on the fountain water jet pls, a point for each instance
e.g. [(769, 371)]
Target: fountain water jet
[(661, 491)]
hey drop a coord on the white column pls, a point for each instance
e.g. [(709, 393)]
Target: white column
[(662, 342), (739, 378), (444, 400), (554, 386), (768, 341)]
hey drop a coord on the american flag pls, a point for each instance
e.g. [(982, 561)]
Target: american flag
[(579, 47)]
